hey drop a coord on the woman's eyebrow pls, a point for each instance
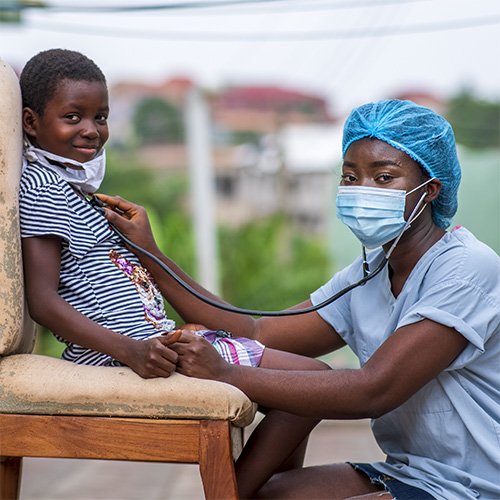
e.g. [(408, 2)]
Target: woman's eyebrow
[(384, 163)]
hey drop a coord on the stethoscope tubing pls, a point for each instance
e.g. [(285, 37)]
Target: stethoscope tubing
[(255, 312), (248, 312)]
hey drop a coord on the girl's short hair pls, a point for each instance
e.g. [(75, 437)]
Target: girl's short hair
[(43, 72)]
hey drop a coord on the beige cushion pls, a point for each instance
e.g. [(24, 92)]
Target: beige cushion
[(37, 384)]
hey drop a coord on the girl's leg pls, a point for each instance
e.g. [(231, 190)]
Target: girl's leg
[(279, 441)]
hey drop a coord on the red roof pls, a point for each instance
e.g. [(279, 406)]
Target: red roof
[(254, 95)]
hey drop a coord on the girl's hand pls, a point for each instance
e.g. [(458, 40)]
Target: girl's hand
[(199, 358), (153, 357)]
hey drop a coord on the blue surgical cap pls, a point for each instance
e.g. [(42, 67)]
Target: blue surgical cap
[(422, 134)]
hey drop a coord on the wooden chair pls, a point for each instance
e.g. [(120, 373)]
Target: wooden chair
[(54, 408)]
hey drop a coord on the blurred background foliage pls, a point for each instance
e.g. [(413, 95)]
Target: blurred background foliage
[(156, 120), (476, 122)]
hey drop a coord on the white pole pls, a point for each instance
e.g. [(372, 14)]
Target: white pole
[(202, 178)]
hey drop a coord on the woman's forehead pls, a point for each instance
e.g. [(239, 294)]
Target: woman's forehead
[(376, 152)]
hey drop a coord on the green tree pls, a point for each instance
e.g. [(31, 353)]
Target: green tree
[(162, 191), (156, 121), (243, 137), (264, 264), (476, 122), (268, 265)]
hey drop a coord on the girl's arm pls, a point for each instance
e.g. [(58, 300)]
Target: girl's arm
[(42, 260), (285, 333), (410, 358)]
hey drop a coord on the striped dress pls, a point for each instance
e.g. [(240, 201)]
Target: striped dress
[(99, 277)]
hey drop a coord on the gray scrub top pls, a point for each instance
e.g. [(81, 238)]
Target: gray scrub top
[(446, 438)]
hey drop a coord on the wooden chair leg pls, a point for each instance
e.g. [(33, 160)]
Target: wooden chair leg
[(216, 461), (10, 477)]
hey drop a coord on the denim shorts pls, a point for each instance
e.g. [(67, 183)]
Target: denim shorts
[(399, 490)]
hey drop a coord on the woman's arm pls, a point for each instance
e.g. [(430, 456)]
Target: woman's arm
[(133, 222), (41, 257), (403, 364), (305, 334)]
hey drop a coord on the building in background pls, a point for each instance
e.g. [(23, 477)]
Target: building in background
[(275, 150)]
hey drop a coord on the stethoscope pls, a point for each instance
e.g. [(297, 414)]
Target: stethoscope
[(367, 275)]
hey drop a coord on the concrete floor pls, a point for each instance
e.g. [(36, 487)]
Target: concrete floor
[(64, 479)]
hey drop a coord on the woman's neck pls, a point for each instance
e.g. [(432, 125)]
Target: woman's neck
[(410, 250)]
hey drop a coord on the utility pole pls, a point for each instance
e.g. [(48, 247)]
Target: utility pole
[(202, 180)]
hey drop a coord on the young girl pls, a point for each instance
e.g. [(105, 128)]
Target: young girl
[(82, 283)]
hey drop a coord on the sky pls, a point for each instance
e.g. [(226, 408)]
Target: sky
[(347, 51)]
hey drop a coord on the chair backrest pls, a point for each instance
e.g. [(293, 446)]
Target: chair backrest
[(17, 330)]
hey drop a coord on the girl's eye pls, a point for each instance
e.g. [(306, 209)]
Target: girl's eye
[(101, 118), (73, 117)]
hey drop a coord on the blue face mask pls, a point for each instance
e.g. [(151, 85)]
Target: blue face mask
[(374, 215)]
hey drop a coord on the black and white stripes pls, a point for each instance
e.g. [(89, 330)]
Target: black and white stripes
[(89, 279)]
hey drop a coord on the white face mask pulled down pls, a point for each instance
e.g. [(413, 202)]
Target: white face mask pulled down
[(86, 177)]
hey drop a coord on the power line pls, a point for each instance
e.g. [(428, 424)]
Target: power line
[(369, 32), (166, 6), (269, 4)]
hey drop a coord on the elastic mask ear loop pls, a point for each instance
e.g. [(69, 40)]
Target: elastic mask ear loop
[(411, 218), (421, 185)]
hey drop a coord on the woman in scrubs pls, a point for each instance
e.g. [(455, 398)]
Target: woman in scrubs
[(426, 328)]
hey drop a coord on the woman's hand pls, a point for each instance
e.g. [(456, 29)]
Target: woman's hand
[(153, 357), (199, 358), (131, 220)]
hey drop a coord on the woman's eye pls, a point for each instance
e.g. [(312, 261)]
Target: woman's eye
[(347, 178), (385, 177)]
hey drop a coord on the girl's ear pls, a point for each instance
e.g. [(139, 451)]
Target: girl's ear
[(433, 189), (30, 121)]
